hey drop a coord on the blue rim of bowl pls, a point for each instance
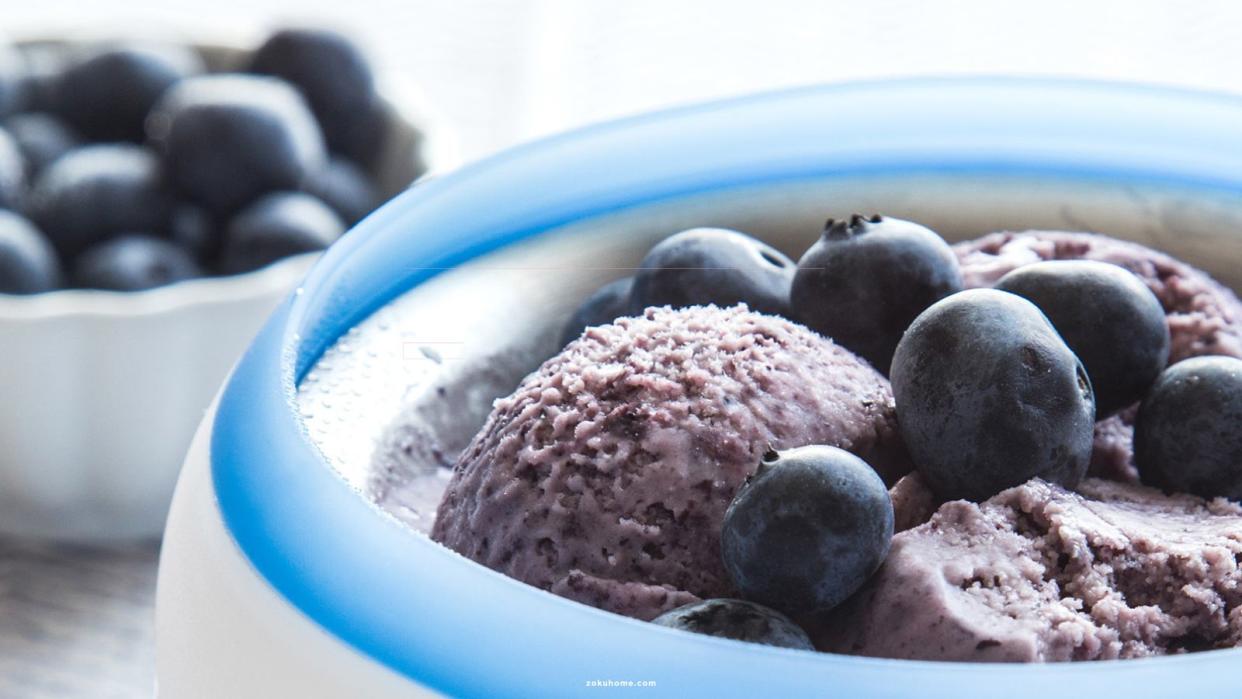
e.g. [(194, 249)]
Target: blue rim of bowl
[(453, 625)]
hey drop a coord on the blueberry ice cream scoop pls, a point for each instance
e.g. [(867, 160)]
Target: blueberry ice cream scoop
[(606, 475)]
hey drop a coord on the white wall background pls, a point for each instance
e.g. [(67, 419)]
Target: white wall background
[(507, 70)]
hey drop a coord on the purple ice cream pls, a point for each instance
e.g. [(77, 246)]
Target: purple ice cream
[(1039, 573), (605, 477), (1204, 317)]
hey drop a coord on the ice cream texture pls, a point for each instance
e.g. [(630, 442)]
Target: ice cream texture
[(605, 476), (1039, 573)]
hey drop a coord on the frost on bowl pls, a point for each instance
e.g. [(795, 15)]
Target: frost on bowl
[(103, 389)]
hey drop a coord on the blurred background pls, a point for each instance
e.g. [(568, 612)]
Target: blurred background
[(503, 71), (76, 620)]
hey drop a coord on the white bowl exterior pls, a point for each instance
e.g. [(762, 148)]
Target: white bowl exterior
[(224, 632), (102, 395)]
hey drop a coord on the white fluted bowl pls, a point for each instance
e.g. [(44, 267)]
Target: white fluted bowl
[(102, 390)]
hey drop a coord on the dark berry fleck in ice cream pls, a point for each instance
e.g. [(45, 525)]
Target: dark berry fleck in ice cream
[(713, 266), (1188, 436), (1107, 316), (867, 279), (806, 530), (988, 396), (608, 303), (739, 620)]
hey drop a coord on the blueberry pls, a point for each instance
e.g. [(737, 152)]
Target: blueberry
[(42, 65), (713, 265), (604, 306), (28, 264), (98, 191), (345, 188), (1188, 434), (363, 139), (739, 620), (866, 279), (195, 230), (133, 262), (41, 138), (806, 530), (12, 173), (228, 139), (989, 396), (1107, 316), (329, 70), (275, 227), (12, 75), (108, 92)]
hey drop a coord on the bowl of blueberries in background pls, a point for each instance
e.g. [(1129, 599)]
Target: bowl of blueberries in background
[(157, 201)]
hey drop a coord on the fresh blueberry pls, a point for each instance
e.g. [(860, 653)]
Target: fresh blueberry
[(713, 266), (989, 396), (12, 172), (107, 93), (133, 262), (41, 138), (364, 138), (1188, 434), (806, 530), (866, 279), (42, 64), (98, 191), (191, 227), (12, 75), (1107, 316), (330, 71), (28, 263), (608, 303), (228, 139), (275, 227), (739, 620), (345, 188)]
